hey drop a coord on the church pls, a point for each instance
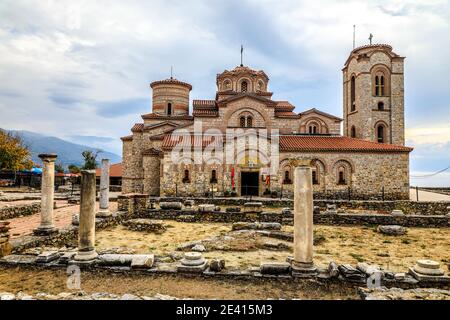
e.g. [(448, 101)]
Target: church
[(359, 156)]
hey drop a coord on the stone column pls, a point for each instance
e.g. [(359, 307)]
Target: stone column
[(86, 228), (47, 194), (104, 190), (302, 263)]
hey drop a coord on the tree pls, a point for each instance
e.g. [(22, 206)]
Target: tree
[(90, 162), (73, 169), (59, 168), (14, 154)]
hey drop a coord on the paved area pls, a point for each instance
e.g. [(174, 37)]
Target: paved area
[(63, 218), (427, 196)]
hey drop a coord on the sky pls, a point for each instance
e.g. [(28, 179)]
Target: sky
[(80, 70)]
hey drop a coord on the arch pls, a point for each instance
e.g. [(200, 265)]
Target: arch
[(381, 130), (248, 84), (242, 121), (380, 105), (186, 176), (234, 113), (260, 85), (320, 126), (287, 173), (381, 79), (249, 121), (227, 85), (342, 172)]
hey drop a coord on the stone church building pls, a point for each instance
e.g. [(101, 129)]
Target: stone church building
[(368, 161)]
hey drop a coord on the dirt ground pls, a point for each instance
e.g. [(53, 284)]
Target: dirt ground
[(54, 281), (342, 244)]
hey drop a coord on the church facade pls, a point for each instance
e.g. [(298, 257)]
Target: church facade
[(241, 142)]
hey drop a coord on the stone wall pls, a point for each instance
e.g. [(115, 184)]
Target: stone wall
[(408, 207), (368, 176), (323, 218), (10, 212)]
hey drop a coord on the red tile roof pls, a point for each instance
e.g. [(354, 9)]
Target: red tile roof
[(204, 103), (138, 127), (336, 143), (284, 105), (170, 81), (205, 113), (127, 138), (115, 170), (289, 114), (165, 117)]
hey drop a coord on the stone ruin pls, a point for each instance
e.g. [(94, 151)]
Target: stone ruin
[(299, 265), (5, 246)]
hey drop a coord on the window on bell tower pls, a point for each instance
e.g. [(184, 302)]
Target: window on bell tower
[(352, 94)]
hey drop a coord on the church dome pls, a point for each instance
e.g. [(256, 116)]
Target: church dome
[(242, 79), (170, 97)]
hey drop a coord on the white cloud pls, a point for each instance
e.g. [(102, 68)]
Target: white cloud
[(67, 65)]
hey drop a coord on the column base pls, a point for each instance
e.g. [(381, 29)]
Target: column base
[(45, 231), (85, 256), (303, 269), (103, 213)]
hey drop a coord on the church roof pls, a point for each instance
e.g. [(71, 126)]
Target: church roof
[(153, 115), (335, 143), (241, 70), (204, 103), (292, 143), (171, 81), (314, 110), (205, 113)]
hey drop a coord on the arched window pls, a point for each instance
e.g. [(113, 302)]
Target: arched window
[(242, 122), (379, 85), (352, 94), (186, 178), (227, 85), (244, 86), (341, 176), (287, 178), (314, 177), (249, 122), (312, 129), (260, 85), (380, 133), (381, 105), (353, 132), (213, 177), (169, 109)]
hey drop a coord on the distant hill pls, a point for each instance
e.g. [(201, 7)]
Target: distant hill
[(68, 152)]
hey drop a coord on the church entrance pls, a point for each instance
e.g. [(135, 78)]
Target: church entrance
[(249, 183)]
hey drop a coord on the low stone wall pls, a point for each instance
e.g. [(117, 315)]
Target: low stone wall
[(65, 237), (288, 219), (407, 206), (19, 210)]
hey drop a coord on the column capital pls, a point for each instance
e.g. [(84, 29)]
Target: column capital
[(48, 157), (295, 162)]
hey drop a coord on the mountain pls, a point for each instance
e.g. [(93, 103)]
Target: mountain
[(68, 152)]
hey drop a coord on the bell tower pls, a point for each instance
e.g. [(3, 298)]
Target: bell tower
[(373, 100)]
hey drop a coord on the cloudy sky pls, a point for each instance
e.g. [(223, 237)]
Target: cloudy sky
[(80, 70)]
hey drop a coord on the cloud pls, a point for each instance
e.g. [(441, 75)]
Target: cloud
[(83, 68)]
